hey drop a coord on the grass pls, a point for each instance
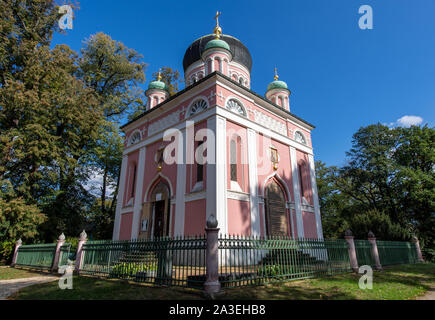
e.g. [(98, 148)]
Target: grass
[(394, 283), (7, 273)]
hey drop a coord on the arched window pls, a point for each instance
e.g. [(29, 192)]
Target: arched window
[(133, 183), (134, 138), (233, 160), (302, 168), (236, 107), (281, 101), (156, 101), (299, 137), (241, 82), (200, 165), (198, 106)]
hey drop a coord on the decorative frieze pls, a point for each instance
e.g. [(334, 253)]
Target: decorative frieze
[(270, 123), (164, 123)]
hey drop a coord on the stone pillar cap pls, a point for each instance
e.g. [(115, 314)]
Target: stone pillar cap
[(83, 235), (348, 233), (62, 237), (371, 235), (212, 223)]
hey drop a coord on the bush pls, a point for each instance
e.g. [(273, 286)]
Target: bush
[(6, 251), (129, 269), (270, 270)]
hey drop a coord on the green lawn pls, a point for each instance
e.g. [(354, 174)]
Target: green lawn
[(394, 283), (7, 273)]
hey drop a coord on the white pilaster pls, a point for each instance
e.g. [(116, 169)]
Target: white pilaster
[(120, 198), (137, 209), (296, 192), (315, 197), (217, 175), (181, 186), (253, 182)]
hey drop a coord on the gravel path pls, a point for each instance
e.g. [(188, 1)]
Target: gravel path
[(430, 295), (9, 287)]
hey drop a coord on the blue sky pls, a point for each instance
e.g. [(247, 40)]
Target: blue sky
[(341, 77)]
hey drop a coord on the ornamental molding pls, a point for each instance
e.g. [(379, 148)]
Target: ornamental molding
[(235, 195), (168, 121), (270, 123), (307, 208)]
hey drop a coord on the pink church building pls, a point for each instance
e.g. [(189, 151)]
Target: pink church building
[(243, 157)]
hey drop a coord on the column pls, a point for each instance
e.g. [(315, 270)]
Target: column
[(60, 242), (297, 193), (375, 253), (352, 251), (138, 200), (120, 197), (417, 247), (79, 255), (253, 182), (315, 197), (181, 186), (15, 256), (216, 202), (212, 285)]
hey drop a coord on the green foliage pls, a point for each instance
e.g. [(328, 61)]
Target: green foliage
[(386, 187), (271, 270), (6, 251), (130, 269)]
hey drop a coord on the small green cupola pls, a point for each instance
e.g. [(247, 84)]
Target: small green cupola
[(278, 92), (157, 92), (218, 44)]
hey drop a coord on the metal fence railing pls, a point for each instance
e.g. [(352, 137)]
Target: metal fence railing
[(396, 252), (64, 254), (363, 249), (36, 255), (178, 262), (245, 261)]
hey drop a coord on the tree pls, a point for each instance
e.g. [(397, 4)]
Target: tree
[(386, 187)]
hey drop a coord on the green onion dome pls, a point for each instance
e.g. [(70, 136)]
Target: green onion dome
[(157, 84), (277, 84), (217, 43)]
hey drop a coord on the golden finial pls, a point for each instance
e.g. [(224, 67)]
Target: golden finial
[(159, 77), (217, 30), (276, 75)]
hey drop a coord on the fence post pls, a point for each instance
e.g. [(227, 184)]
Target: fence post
[(352, 253), (79, 255), (417, 247), (212, 285), (375, 253), (15, 256), (60, 242)]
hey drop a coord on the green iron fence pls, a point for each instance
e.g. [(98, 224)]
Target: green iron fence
[(64, 254), (245, 261), (179, 261), (396, 252), (36, 255), (363, 249)]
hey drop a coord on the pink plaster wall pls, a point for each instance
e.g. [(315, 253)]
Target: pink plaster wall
[(237, 131), (195, 217), (126, 224), (302, 157), (309, 219), (239, 217)]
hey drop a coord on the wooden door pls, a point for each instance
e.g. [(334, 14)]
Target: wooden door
[(276, 212), (159, 219)]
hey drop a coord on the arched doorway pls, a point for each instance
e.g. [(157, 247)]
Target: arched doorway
[(276, 212), (156, 213)]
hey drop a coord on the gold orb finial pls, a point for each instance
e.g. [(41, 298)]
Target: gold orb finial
[(276, 74), (159, 76), (217, 30)]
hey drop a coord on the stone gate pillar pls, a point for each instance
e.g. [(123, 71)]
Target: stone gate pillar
[(375, 253), (15, 256), (56, 259), (79, 255), (352, 253), (417, 247), (212, 285)]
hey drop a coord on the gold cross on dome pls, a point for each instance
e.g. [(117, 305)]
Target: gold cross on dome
[(217, 30), (276, 74), (217, 17), (159, 77)]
